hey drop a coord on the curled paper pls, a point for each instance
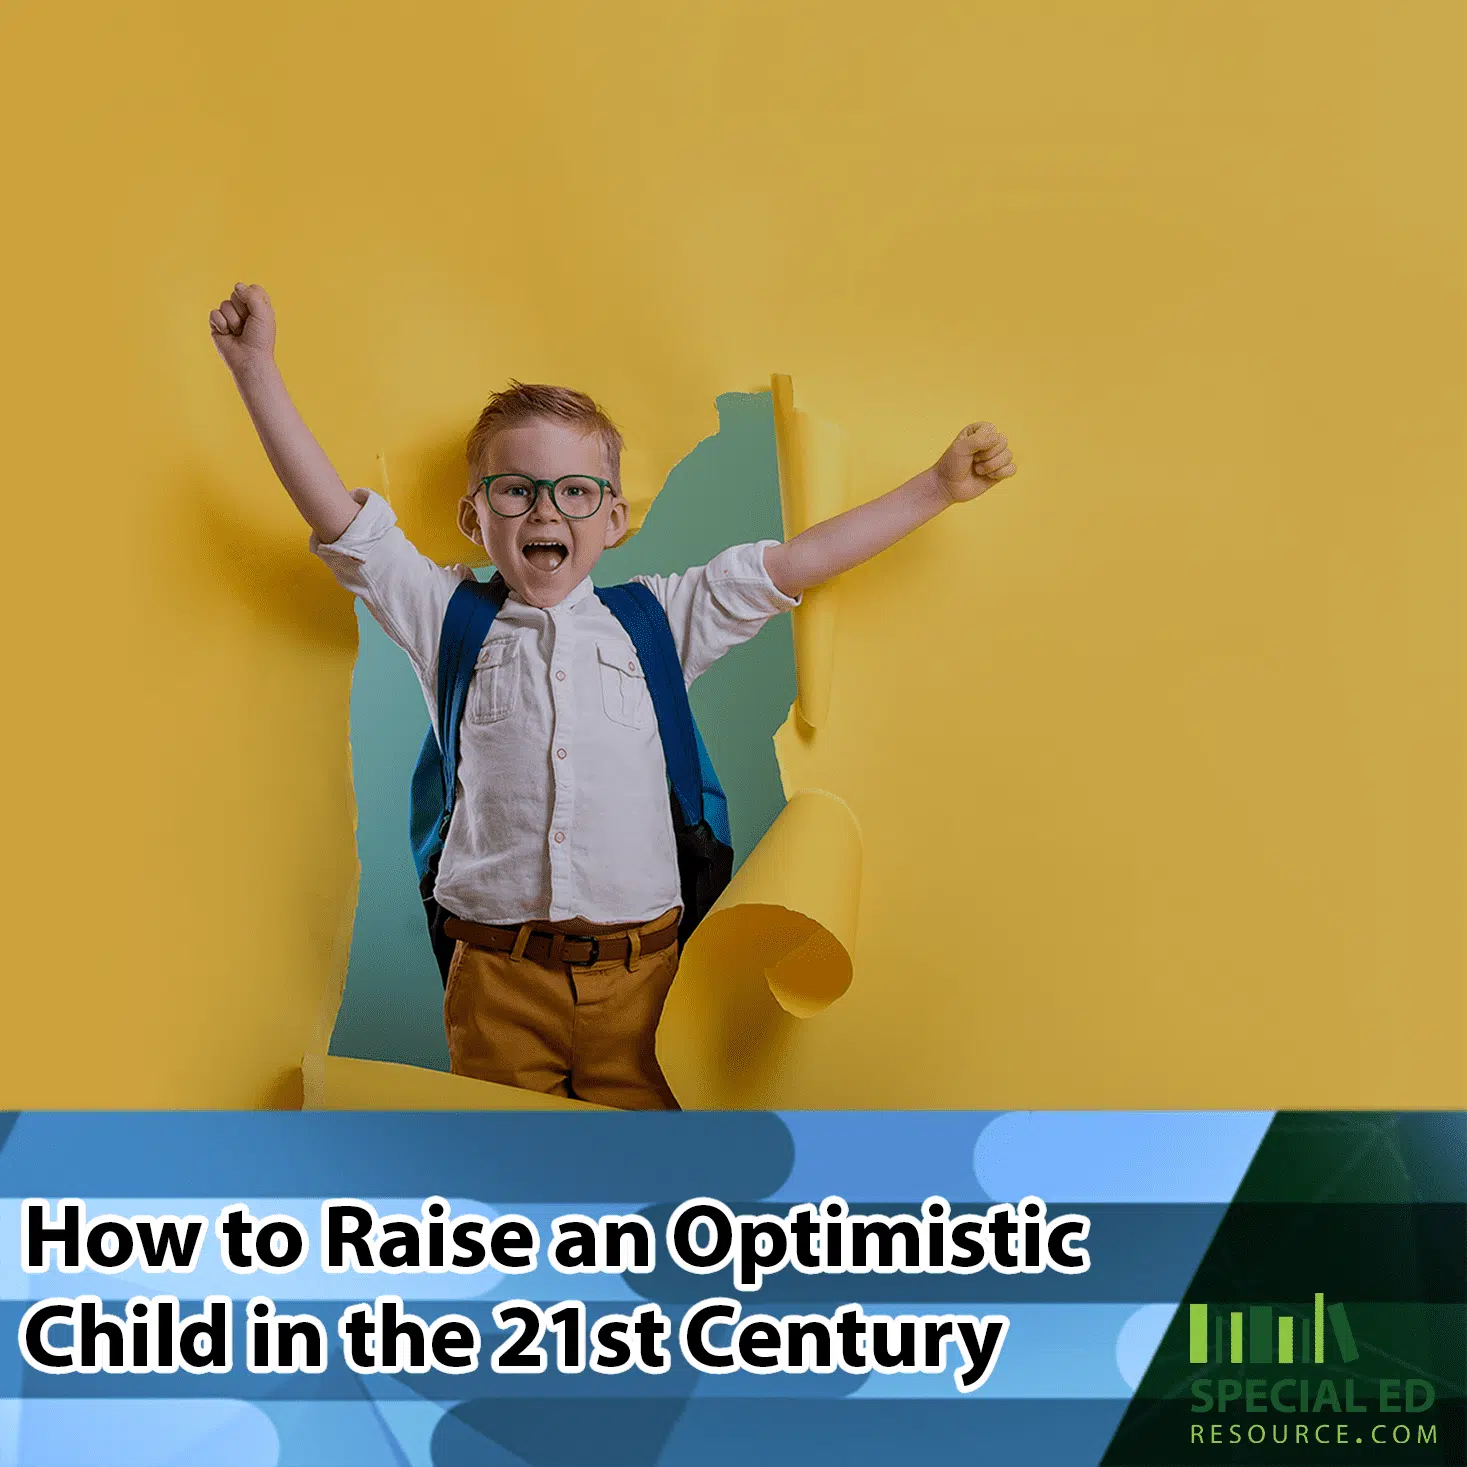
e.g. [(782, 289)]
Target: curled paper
[(779, 945), (814, 471), (777, 948), (801, 886)]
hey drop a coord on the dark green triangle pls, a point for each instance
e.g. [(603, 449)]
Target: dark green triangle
[(1354, 1220)]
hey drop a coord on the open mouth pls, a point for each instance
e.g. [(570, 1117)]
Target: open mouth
[(545, 555)]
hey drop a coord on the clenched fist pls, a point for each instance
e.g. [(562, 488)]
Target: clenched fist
[(978, 459), (244, 327)]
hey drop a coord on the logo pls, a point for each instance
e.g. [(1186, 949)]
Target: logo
[(1274, 1336), (1277, 1400)]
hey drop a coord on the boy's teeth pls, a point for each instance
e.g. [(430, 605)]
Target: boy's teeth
[(545, 554)]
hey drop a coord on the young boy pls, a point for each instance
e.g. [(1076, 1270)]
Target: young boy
[(562, 830)]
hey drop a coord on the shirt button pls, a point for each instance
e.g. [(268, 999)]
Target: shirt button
[(559, 836), (560, 677), (560, 753), (631, 667)]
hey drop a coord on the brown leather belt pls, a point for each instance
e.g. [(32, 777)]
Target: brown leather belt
[(561, 947)]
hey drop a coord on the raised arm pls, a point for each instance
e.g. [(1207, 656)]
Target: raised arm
[(244, 336), (978, 458)]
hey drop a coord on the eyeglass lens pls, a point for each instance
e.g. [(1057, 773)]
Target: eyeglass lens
[(512, 495)]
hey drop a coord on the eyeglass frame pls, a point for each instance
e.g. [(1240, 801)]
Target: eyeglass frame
[(604, 485)]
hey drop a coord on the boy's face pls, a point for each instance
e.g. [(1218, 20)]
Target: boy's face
[(543, 555)]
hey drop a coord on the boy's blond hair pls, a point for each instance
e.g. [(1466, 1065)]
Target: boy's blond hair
[(521, 401)]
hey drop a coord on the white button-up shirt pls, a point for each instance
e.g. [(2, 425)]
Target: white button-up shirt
[(561, 809)]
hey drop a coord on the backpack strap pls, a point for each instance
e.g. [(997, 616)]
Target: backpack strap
[(645, 622), (466, 622), (471, 612), (715, 802)]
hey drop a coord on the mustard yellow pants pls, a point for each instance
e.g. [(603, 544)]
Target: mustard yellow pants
[(584, 1030)]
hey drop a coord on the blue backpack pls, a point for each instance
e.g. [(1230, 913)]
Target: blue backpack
[(699, 809)]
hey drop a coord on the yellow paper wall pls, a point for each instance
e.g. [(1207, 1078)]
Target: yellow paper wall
[(1156, 751)]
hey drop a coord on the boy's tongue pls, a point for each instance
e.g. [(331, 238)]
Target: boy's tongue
[(545, 557)]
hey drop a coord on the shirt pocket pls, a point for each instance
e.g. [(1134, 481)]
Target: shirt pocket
[(495, 688), (624, 695)]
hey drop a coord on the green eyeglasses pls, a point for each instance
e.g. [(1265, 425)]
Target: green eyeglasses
[(576, 496)]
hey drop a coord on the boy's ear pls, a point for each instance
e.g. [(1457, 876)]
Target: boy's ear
[(616, 520), (468, 520)]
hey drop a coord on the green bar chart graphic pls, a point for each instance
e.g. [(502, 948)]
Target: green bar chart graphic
[(1300, 1336)]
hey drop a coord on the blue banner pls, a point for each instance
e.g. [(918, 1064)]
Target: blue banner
[(278, 1290)]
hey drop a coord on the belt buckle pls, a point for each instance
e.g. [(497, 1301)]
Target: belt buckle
[(594, 957)]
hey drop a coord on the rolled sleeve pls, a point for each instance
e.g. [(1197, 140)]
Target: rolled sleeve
[(713, 608), (352, 547), (739, 582), (405, 591)]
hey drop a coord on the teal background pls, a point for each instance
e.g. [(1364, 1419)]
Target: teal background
[(725, 492)]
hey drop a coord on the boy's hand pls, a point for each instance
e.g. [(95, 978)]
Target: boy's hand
[(244, 327), (978, 459)]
